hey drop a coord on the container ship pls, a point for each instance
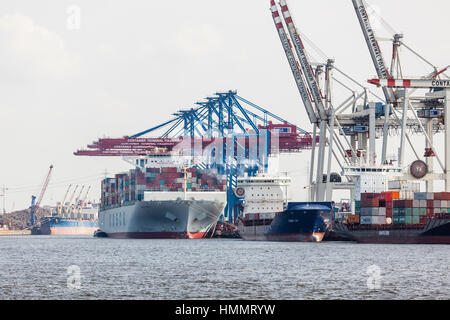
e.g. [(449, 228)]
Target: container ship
[(83, 221), (267, 216), (395, 218), (162, 202)]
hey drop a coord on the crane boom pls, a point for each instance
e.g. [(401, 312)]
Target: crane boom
[(410, 83), (44, 187), (75, 205), (67, 209), (61, 206), (374, 48), (80, 206), (35, 204), (293, 63), (304, 61)]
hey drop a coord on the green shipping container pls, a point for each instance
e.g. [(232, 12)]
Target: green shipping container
[(408, 212), (161, 182), (357, 204), (422, 211), (416, 219), (408, 220), (416, 212)]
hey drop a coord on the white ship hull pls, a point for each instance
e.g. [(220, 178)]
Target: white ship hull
[(165, 215)]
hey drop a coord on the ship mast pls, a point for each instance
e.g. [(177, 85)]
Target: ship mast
[(185, 182)]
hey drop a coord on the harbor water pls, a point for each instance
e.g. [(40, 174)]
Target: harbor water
[(75, 267)]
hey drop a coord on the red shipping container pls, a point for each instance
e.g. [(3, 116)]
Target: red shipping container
[(389, 204), (446, 195), (430, 204), (389, 213), (370, 203), (367, 196), (387, 196), (442, 196)]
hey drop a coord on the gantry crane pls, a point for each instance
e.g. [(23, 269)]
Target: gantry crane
[(76, 203), (403, 99), (322, 114), (440, 93), (293, 63), (80, 205), (63, 203), (35, 204), (69, 206)]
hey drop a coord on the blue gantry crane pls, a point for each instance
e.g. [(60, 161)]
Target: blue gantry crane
[(244, 127)]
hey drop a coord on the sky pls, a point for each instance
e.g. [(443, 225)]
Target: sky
[(125, 66)]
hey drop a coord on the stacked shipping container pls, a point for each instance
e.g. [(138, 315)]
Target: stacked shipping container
[(375, 208), (126, 187), (392, 208)]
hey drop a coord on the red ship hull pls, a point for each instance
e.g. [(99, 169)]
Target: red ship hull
[(157, 235)]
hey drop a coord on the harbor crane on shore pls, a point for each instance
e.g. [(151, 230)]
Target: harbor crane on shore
[(370, 118), (428, 112), (62, 204), (73, 208), (80, 205), (323, 115), (69, 205), (36, 203)]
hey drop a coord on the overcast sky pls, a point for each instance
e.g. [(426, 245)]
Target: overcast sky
[(133, 63)]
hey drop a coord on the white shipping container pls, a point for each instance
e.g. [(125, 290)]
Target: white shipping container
[(437, 210), (407, 195), (381, 211), (379, 220), (437, 203), (430, 196), (444, 203), (416, 203), (423, 204)]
